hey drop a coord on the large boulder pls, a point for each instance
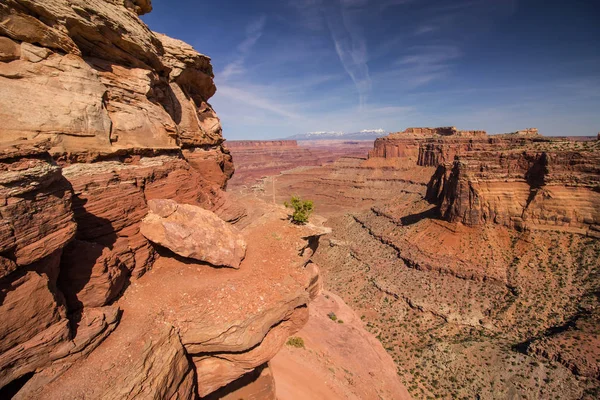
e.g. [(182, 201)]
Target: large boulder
[(193, 232)]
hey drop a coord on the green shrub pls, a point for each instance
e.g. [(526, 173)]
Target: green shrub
[(302, 209), (332, 316), (295, 341)]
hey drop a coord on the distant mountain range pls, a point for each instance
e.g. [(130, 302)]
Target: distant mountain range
[(365, 134)]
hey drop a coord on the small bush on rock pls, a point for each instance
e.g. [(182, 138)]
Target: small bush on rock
[(302, 209), (295, 341)]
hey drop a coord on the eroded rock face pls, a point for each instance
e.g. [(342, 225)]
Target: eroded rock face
[(193, 232), (218, 325), (541, 185), (521, 179), (38, 222), (101, 79), (256, 159), (101, 117), (35, 206)]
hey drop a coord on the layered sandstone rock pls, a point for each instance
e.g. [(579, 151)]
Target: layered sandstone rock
[(188, 328), (520, 179), (540, 185), (101, 116), (101, 80), (410, 144), (260, 158), (38, 222)]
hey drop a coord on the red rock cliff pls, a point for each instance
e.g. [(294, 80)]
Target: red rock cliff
[(427, 146), (101, 115), (520, 179), (240, 144)]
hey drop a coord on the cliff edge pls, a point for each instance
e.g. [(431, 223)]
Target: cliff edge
[(101, 116)]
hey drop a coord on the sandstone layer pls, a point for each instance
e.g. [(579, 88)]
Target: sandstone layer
[(102, 116), (261, 158), (521, 179)]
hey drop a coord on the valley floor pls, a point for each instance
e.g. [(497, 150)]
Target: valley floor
[(465, 312)]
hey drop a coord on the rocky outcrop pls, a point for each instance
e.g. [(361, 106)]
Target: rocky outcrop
[(187, 328), (193, 232), (425, 146), (101, 118), (521, 179), (101, 79), (541, 185), (38, 222)]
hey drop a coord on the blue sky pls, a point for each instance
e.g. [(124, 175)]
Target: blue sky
[(284, 67)]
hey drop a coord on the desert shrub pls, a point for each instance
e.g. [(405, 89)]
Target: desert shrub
[(332, 316), (295, 341), (302, 209)]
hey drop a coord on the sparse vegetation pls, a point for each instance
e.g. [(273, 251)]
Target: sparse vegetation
[(295, 341), (332, 316), (302, 209), (542, 269)]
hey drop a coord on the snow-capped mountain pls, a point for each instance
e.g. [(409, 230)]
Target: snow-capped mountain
[(365, 134)]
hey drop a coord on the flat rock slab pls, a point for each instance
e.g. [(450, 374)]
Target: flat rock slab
[(193, 232)]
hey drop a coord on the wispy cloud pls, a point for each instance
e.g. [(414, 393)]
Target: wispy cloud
[(424, 29), (423, 64), (253, 99), (350, 43), (344, 65), (254, 31)]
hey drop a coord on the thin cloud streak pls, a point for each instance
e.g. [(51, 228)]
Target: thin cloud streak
[(254, 31), (350, 45), (252, 99)]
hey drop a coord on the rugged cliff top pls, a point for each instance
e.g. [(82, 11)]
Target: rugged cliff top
[(90, 77), (434, 132)]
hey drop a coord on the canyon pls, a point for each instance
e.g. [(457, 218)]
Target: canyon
[(143, 255), (473, 258), (126, 269), (258, 159)]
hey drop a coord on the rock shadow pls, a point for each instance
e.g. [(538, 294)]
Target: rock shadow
[(236, 385), (166, 253), (94, 234), (431, 213)]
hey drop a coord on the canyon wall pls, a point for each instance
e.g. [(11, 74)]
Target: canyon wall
[(249, 144), (256, 159), (521, 179), (100, 116), (543, 184), (408, 144)]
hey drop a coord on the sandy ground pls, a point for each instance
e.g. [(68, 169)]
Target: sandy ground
[(340, 360)]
